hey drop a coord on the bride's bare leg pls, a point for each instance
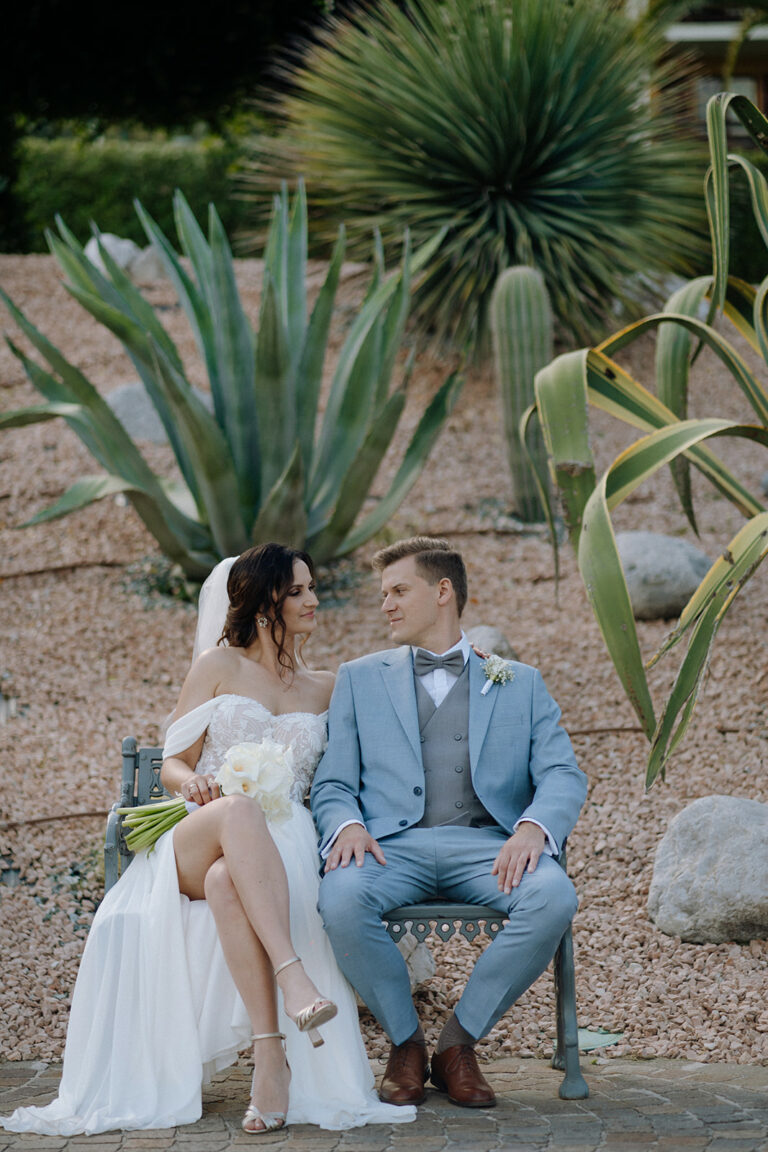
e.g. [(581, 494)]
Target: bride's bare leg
[(234, 828), (251, 971)]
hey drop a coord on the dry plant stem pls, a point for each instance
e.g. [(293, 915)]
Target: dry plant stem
[(50, 819), (61, 568)]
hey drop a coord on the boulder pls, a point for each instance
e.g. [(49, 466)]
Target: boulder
[(710, 875), (489, 639), (136, 412), (662, 572), (143, 265), (418, 960), (147, 266), (122, 251)]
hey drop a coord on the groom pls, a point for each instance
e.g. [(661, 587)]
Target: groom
[(439, 781)]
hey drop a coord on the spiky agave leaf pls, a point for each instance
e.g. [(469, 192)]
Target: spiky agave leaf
[(567, 386), (265, 465), (521, 126)]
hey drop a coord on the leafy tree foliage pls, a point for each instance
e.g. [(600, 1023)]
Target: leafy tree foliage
[(165, 64)]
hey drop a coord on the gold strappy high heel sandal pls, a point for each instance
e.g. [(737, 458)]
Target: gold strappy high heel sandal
[(271, 1120), (308, 1019)]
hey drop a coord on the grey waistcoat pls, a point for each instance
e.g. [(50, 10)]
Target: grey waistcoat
[(449, 797)]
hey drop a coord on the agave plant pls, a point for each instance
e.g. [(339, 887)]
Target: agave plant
[(566, 388), (264, 464), (522, 127)]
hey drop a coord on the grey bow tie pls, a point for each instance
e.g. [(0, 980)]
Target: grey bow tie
[(424, 662)]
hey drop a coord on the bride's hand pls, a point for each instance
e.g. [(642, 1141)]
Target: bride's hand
[(200, 789)]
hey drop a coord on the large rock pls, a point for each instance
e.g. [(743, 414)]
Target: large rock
[(147, 266), (138, 415), (143, 265), (662, 572), (710, 876), (489, 639), (418, 960), (122, 251)]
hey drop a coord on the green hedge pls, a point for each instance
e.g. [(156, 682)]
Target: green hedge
[(84, 181)]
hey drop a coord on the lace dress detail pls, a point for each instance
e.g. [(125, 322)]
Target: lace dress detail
[(240, 719)]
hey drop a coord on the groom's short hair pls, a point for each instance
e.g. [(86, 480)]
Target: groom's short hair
[(435, 559)]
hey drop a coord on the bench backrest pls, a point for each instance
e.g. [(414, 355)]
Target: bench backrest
[(141, 775)]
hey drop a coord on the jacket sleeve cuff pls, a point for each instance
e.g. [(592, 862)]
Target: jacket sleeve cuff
[(329, 843), (551, 847)]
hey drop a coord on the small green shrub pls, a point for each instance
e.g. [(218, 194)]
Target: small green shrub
[(83, 181)]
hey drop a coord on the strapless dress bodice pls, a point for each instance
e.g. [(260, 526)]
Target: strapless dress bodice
[(240, 719)]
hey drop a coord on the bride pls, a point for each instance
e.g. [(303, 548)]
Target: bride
[(187, 951)]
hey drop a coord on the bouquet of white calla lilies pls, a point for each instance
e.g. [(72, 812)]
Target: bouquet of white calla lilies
[(263, 771)]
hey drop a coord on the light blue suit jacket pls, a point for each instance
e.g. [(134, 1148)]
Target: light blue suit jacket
[(522, 762)]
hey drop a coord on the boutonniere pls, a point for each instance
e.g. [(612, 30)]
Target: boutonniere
[(497, 671)]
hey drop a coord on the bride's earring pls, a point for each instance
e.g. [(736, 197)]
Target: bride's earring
[(262, 621)]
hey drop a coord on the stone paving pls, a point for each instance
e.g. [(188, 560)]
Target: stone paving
[(634, 1106)]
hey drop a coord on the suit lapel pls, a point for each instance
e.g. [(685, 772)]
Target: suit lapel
[(480, 708), (397, 673)]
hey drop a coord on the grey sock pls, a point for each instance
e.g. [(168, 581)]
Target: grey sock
[(453, 1033), (417, 1037)]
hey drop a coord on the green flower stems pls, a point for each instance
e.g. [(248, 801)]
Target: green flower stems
[(148, 822)]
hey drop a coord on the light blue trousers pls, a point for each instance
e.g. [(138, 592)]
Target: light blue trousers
[(451, 864)]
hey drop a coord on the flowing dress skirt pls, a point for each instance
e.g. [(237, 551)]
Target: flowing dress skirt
[(155, 1011)]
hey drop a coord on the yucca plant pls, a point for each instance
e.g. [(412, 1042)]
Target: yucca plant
[(265, 464), (524, 128), (566, 388)]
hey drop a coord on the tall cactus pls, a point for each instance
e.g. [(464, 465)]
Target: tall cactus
[(521, 327)]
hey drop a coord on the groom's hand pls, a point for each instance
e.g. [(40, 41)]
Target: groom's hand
[(521, 851), (354, 840)]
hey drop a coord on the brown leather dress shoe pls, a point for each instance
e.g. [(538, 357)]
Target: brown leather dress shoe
[(456, 1072), (405, 1075)]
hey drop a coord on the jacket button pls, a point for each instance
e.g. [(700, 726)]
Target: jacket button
[(457, 736), (403, 823), (459, 768), (422, 738), (459, 804), (418, 791)]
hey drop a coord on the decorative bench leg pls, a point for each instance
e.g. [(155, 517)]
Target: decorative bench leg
[(566, 1056)]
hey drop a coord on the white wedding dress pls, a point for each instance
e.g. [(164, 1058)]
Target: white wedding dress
[(155, 1011)]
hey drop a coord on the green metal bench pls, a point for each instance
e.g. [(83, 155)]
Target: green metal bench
[(141, 785), (471, 919)]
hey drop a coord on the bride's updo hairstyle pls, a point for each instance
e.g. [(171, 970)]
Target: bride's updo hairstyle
[(258, 584)]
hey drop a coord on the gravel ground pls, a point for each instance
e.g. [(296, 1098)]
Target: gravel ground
[(88, 656)]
